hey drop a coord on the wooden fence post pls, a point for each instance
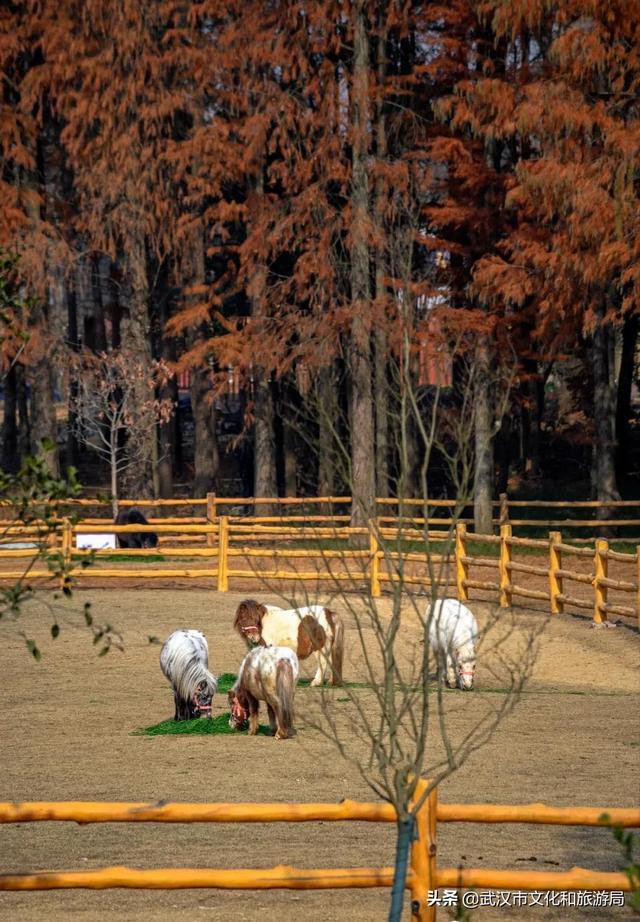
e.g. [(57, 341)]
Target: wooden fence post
[(601, 568), (555, 581), (223, 555), (67, 547), (374, 572), (423, 855), (505, 560), (504, 509), (462, 569), (212, 510), (638, 579)]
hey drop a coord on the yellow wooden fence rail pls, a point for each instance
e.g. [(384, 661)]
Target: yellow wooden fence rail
[(213, 504), (423, 877)]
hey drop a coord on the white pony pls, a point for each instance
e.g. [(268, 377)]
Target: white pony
[(184, 660), (453, 631), (313, 629)]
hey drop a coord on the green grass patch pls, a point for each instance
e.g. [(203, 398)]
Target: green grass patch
[(201, 726), (225, 682)]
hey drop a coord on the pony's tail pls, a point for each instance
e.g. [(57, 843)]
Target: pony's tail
[(285, 690), (337, 650)]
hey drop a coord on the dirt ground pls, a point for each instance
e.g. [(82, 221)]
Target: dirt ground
[(66, 734)]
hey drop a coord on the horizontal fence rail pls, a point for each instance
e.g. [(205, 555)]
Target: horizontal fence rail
[(375, 556), (580, 515), (424, 875)]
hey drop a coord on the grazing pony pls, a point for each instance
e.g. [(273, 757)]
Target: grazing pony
[(306, 630), (134, 539), (184, 660), (266, 674), (453, 631)]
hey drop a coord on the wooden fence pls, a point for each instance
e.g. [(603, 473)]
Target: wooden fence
[(271, 548), (521, 514), (424, 875), (222, 544)]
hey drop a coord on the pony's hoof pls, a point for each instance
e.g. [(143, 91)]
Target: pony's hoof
[(315, 683)]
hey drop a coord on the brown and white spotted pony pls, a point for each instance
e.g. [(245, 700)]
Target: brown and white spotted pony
[(306, 630), (266, 674)]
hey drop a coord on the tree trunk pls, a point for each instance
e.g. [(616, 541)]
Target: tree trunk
[(382, 414), (328, 412), (167, 442), (108, 301), (414, 457), (86, 307), (290, 459), (265, 481), (625, 382), (113, 470), (167, 431), (502, 453), (43, 412), (604, 411), (57, 191), (362, 432), (24, 425), (532, 418), (138, 481), (381, 344), (10, 459), (206, 453), (403, 848), (483, 439), (40, 377), (73, 452), (265, 476)]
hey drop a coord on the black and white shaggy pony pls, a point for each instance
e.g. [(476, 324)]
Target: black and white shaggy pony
[(134, 539), (184, 660)]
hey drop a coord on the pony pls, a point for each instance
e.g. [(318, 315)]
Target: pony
[(306, 630), (266, 674), (453, 631), (142, 539), (184, 660)]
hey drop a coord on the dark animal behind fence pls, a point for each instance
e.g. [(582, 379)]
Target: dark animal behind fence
[(134, 539)]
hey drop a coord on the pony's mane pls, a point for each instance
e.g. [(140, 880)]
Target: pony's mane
[(185, 662)]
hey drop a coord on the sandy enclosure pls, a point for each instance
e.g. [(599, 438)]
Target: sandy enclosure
[(66, 734)]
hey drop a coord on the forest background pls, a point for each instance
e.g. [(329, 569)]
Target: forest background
[(259, 211)]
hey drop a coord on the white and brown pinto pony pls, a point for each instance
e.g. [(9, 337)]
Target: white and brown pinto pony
[(184, 660), (314, 629), (266, 674), (453, 631)]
